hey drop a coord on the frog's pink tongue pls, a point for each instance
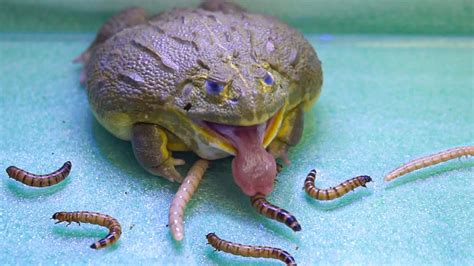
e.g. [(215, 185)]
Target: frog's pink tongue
[(253, 168)]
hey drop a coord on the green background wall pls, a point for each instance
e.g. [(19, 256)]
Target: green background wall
[(453, 17)]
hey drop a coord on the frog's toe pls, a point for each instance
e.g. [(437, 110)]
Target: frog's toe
[(79, 59), (172, 172), (284, 157), (279, 150), (83, 77), (168, 170), (82, 59)]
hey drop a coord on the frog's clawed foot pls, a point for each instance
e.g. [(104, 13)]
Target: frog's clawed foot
[(279, 150), (83, 77), (83, 59), (167, 170), (279, 168)]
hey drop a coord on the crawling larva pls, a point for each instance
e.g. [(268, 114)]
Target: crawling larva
[(250, 251), (39, 180), (273, 212), (430, 160), (333, 192), (184, 194), (115, 229)]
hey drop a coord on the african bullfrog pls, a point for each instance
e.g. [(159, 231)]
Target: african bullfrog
[(215, 80)]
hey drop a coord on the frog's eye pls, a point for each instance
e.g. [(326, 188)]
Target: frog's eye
[(213, 87), (268, 79)]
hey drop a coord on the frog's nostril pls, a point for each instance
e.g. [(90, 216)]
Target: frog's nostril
[(187, 89), (187, 107), (234, 100)]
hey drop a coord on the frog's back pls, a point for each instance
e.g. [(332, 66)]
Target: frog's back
[(143, 70)]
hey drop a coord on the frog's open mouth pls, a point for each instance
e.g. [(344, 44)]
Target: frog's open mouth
[(253, 168), (221, 141)]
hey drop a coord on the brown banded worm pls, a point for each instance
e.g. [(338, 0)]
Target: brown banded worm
[(182, 197), (115, 229), (34, 180), (250, 251), (430, 160), (271, 211), (333, 192)]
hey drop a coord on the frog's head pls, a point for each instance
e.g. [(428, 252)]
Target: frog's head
[(241, 101), (232, 92)]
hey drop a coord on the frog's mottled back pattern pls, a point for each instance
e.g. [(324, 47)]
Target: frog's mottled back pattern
[(157, 71)]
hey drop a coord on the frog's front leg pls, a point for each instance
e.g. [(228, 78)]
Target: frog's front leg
[(289, 134), (149, 143)]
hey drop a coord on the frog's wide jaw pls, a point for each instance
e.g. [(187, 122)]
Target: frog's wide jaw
[(222, 142), (253, 168)]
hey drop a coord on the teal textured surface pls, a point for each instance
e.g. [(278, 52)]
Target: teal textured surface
[(385, 100)]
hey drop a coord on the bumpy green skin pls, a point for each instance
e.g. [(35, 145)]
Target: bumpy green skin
[(151, 71)]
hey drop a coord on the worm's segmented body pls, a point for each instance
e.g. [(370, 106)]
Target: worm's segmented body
[(273, 212), (250, 251), (430, 160), (115, 229), (33, 180), (184, 194), (333, 192)]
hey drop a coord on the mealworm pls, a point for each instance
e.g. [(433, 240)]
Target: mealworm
[(333, 192), (33, 180), (430, 160), (183, 195), (250, 251), (273, 212), (115, 229)]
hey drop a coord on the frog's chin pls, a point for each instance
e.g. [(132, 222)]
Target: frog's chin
[(253, 168)]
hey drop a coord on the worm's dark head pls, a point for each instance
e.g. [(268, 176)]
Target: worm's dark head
[(10, 170), (58, 216), (210, 235), (364, 179)]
